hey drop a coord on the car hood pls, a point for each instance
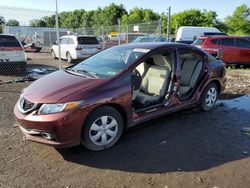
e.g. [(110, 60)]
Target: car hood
[(58, 85)]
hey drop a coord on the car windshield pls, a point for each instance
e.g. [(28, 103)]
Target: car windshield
[(198, 42), (110, 62), (144, 39)]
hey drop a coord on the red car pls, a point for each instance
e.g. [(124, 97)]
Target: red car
[(92, 102), (235, 50)]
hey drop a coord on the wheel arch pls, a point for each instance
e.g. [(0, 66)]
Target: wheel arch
[(218, 84), (117, 107)]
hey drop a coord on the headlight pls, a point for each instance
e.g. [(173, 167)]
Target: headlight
[(55, 108)]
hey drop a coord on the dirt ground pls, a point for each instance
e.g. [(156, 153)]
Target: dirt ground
[(184, 149)]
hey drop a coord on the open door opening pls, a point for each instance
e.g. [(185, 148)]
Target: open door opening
[(152, 81)]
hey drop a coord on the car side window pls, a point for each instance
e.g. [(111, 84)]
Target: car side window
[(64, 41), (242, 43), (214, 41), (227, 42), (70, 41)]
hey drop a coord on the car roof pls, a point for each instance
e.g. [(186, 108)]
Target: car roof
[(75, 36), (218, 37), (155, 45)]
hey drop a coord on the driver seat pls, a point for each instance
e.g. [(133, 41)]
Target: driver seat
[(154, 85)]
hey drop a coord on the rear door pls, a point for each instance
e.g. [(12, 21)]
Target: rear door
[(11, 50), (230, 52), (243, 47), (63, 47)]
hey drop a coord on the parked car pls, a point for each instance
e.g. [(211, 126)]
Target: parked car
[(92, 102), (187, 34), (210, 34), (149, 39), (236, 50), (75, 47), (246, 37), (32, 47), (12, 52)]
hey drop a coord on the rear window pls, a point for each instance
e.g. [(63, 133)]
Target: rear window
[(87, 40), (198, 42), (9, 41)]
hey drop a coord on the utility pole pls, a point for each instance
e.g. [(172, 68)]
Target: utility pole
[(160, 27), (58, 35), (169, 18), (119, 30)]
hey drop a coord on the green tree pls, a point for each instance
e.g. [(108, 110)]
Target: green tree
[(2, 22), (73, 19), (239, 22), (50, 20), (135, 16), (194, 17), (139, 15), (37, 23), (111, 13), (12, 22)]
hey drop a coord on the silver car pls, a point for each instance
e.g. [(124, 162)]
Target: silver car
[(74, 47)]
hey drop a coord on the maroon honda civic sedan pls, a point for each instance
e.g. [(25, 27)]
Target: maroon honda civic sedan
[(91, 103)]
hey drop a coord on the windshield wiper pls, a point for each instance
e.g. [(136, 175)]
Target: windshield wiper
[(93, 74), (77, 72)]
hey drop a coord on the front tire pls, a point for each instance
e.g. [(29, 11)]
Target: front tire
[(69, 57), (102, 129), (53, 54), (209, 97)]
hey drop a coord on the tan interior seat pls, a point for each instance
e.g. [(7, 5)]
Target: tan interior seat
[(142, 68), (155, 82), (190, 72)]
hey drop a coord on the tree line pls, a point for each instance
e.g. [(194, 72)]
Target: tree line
[(237, 24)]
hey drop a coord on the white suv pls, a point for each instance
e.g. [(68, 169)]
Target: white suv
[(75, 47), (12, 52)]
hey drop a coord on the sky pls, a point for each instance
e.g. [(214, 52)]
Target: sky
[(222, 7)]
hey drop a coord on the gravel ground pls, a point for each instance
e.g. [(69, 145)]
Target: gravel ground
[(184, 149)]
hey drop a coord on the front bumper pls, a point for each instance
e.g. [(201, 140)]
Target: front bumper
[(59, 130)]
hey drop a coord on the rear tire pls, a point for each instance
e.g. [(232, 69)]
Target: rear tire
[(209, 97), (102, 129), (53, 54)]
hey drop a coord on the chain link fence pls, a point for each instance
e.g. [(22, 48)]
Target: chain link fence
[(19, 29)]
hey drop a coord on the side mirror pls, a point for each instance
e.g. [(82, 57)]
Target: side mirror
[(55, 43), (219, 54)]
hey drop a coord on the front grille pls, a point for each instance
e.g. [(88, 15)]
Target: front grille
[(26, 105)]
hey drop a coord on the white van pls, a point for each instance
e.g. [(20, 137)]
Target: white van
[(187, 34), (75, 47)]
